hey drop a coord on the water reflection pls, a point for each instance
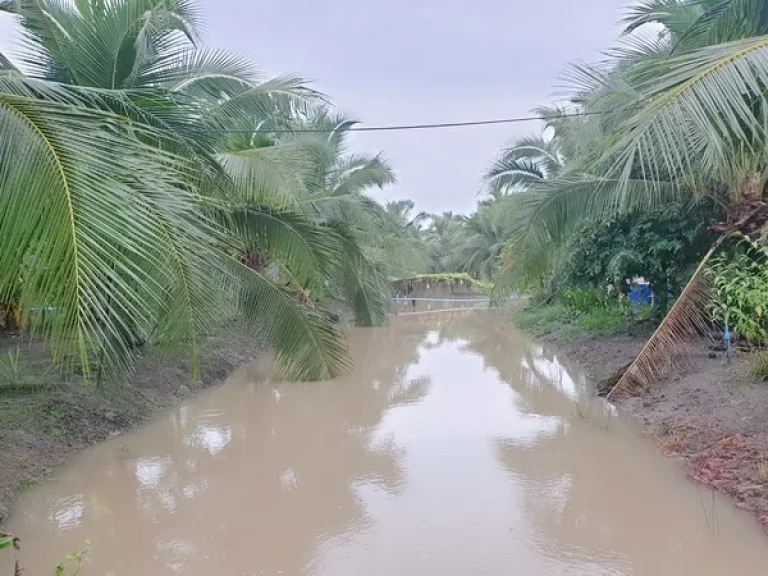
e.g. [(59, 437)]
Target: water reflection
[(247, 465), (67, 513), (456, 446), (212, 438)]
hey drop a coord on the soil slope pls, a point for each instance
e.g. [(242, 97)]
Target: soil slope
[(44, 419)]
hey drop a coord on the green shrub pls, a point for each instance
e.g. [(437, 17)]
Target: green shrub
[(569, 324), (741, 290)]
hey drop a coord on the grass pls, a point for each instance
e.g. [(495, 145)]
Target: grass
[(568, 324), (758, 366)]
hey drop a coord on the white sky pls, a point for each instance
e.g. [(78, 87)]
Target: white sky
[(419, 61)]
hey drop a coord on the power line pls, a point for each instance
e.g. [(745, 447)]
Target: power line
[(400, 127)]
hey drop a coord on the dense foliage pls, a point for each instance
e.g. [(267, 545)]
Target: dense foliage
[(661, 246), (152, 187), (740, 282), (676, 111), (468, 244)]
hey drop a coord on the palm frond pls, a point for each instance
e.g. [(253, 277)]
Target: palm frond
[(157, 170), (525, 161), (354, 174), (309, 250), (661, 353), (700, 113), (6, 65), (723, 21), (104, 46), (555, 208), (675, 15), (509, 174), (135, 34), (43, 35), (284, 96), (305, 343), (577, 136), (359, 209), (402, 256), (282, 174), (703, 30), (118, 225), (365, 288), (641, 45), (210, 73), (173, 116)]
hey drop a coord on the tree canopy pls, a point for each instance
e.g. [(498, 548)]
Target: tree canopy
[(674, 114), (152, 186)]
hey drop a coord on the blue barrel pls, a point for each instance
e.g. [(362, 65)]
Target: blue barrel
[(640, 294)]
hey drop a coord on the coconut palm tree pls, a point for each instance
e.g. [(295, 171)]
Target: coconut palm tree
[(401, 238), (688, 121), (442, 240), (138, 180), (400, 212), (481, 242), (376, 242)]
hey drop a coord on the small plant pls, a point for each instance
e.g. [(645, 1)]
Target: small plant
[(29, 482), (7, 541), (10, 368), (72, 563), (13, 378), (758, 366), (10, 542)]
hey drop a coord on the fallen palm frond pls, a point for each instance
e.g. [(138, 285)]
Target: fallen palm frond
[(687, 318)]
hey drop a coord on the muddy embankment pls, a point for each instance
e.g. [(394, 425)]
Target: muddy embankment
[(45, 419), (714, 417)]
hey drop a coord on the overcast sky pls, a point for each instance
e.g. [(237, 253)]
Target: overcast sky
[(419, 61)]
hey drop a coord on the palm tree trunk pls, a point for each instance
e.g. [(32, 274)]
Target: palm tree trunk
[(661, 301), (753, 184)]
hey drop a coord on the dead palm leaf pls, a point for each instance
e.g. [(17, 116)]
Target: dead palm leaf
[(662, 353)]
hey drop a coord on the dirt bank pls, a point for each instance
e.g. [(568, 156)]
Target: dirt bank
[(714, 418), (44, 419)]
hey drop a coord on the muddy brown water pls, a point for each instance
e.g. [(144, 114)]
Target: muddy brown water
[(456, 447)]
